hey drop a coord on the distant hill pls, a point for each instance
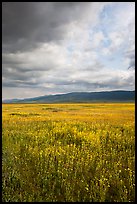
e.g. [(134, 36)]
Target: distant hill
[(80, 97)]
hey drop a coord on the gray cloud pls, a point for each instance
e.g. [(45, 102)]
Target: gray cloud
[(131, 56), (54, 47), (27, 24)]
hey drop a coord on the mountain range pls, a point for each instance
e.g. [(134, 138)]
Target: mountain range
[(79, 97)]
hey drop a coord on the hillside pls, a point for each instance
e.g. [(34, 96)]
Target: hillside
[(110, 96)]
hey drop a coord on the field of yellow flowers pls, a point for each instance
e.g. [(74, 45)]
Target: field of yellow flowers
[(68, 152)]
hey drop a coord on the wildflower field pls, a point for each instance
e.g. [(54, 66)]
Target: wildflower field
[(68, 152)]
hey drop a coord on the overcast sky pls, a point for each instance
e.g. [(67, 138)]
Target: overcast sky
[(51, 48)]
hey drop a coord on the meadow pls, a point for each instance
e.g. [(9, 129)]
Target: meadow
[(68, 152)]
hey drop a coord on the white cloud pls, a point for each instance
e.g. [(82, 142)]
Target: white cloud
[(97, 38), (74, 53), (105, 51), (116, 39)]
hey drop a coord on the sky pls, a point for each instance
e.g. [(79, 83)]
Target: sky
[(61, 47)]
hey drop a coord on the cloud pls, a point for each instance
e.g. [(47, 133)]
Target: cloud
[(118, 24), (58, 47), (97, 38), (27, 24), (130, 56)]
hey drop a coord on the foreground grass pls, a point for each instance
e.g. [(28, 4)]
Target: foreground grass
[(70, 152)]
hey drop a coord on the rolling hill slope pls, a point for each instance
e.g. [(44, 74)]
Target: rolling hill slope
[(106, 96)]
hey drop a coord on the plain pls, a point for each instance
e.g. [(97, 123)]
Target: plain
[(68, 152)]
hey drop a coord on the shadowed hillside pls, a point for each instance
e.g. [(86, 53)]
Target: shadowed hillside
[(80, 97)]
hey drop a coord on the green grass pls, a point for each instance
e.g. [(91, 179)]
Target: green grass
[(83, 153)]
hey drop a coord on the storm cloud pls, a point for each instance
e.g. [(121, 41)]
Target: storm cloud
[(60, 47), (28, 24)]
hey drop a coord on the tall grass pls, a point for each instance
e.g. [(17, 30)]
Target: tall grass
[(72, 152)]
